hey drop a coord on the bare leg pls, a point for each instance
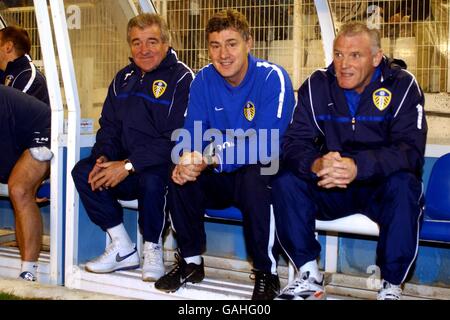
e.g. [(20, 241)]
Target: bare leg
[(23, 183)]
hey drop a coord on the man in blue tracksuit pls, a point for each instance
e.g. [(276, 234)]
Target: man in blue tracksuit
[(24, 164), (239, 106), (18, 69), (356, 145), (146, 101)]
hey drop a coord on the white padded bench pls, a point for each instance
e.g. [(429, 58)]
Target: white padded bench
[(353, 224)]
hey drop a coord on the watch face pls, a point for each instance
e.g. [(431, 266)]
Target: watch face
[(128, 166)]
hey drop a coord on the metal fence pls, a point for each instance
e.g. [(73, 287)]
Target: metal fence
[(286, 32)]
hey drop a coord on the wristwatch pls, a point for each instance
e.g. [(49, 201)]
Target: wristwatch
[(128, 166), (210, 161)]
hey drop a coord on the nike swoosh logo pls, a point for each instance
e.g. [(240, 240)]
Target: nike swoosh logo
[(119, 258), (218, 109), (183, 280)]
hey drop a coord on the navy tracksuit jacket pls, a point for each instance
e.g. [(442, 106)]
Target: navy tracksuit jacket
[(138, 117), (23, 75), (385, 135)]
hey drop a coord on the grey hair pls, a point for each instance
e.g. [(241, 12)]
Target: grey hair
[(147, 20), (356, 27)]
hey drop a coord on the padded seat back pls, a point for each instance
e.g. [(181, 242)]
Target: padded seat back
[(438, 190)]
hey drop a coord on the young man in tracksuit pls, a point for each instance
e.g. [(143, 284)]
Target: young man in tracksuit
[(146, 101), (18, 69), (246, 104), (24, 163), (356, 145)]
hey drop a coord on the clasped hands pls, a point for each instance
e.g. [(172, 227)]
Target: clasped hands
[(106, 174), (190, 166), (334, 171)]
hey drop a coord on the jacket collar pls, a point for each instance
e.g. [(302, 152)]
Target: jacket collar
[(20, 63)]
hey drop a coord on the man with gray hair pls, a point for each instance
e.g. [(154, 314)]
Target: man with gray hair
[(356, 145), (146, 102)]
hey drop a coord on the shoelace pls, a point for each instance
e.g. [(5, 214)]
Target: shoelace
[(109, 249), (177, 265), (261, 280), (390, 292), (153, 254), (300, 284)]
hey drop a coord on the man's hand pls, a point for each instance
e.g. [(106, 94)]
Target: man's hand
[(325, 162), (334, 171), (189, 168), (95, 170), (111, 174)]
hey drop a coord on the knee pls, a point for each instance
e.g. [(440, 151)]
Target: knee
[(81, 170), (151, 183), (286, 180), (20, 191), (401, 183)]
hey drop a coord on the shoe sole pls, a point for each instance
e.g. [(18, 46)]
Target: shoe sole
[(319, 295), (182, 284), (113, 270), (151, 279)]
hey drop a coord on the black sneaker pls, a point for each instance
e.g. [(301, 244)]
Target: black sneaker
[(267, 286), (180, 274)]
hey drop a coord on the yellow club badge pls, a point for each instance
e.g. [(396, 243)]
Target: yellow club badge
[(382, 98), (249, 111), (159, 87)]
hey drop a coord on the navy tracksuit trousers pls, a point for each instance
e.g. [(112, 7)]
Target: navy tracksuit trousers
[(102, 207), (245, 189), (395, 204)]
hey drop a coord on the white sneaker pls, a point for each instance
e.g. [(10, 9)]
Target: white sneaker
[(389, 291), (153, 267), (27, 276), (115, 258), (303, 288)]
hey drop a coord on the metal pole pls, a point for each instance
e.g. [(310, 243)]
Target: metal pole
[(73, 132), (147, 6), (326, 27), (56, 172)]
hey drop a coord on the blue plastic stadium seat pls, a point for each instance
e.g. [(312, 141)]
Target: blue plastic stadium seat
[(438, 191), (230, 213), (44, 190), (436, 225), (435, 231)]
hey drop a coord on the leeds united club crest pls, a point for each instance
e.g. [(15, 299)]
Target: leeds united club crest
[(159, 87), (382, 98), (249, 111)]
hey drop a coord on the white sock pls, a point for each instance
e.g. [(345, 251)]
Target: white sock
[(194, 259), (29, 266), (313, 269), (119, 235)]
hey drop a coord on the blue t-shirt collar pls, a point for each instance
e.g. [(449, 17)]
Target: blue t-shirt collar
[(354, 97)]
